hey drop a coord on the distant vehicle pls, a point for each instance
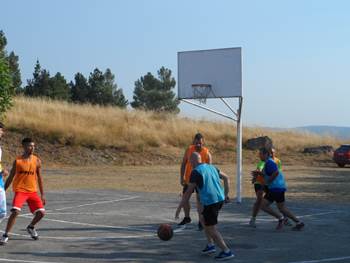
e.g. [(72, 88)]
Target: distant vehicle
[(341, 155)]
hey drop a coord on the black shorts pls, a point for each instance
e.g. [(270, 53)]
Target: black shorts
[(259, 187), (184, 189), (211, 212), (277, 197)]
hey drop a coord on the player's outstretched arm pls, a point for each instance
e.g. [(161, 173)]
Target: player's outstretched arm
[(12, 175)]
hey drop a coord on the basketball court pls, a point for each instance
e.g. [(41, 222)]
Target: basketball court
[(117, 226), (120, 226)]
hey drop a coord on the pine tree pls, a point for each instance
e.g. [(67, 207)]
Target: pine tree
[(79, 89), (156, 94)]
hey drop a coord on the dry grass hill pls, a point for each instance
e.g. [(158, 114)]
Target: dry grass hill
[(70, 134)]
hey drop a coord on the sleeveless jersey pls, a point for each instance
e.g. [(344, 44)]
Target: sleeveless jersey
[(279, 183), (211, 191), (25, 179), (204, 153)]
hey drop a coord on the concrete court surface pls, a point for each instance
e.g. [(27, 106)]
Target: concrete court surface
[(119, 226)]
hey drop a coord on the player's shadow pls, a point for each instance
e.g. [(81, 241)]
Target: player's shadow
[(186, 245)]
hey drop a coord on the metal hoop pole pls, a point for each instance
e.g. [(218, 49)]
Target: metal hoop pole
[(239, 152)]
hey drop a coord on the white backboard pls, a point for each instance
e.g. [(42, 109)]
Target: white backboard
[(220, 68)]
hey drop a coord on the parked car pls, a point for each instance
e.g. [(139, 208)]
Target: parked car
[(341, 155)]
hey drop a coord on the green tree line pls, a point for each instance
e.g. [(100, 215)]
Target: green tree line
[(99, 88)]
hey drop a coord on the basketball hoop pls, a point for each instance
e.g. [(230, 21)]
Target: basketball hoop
[(201, 92)]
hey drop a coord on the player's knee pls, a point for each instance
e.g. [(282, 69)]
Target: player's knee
[(280, 206), (15, 212), (40, 213), (259, 199)]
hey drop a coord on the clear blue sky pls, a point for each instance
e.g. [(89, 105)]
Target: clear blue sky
[(296, 54)]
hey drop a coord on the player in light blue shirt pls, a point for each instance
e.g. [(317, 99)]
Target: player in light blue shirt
[(3, 173), (206, 179)]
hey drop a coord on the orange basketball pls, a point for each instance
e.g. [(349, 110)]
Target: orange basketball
[(165, 232)]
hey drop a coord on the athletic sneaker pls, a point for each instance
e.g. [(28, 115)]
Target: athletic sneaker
[(286, 222), (185, 221), (299, 226), (4, 239), (32, 232), (209, 249), (252, 223), (224, 256)]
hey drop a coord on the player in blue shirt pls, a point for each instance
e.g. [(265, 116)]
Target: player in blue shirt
[(276, 188)]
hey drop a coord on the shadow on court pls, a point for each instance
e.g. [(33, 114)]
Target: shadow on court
[(117, 226)]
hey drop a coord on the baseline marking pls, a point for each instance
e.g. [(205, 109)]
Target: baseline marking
[(322, 260)]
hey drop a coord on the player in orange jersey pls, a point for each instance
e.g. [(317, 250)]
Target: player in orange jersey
[(186, 169), (25, 177)]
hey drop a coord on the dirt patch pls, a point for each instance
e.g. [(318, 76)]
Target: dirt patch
[(323, 184)]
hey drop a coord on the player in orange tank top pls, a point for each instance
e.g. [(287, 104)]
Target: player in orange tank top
[(26, 177), (186, 169)]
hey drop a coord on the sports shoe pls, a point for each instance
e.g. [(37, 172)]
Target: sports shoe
[(200, 227), (209, 249), (252, 223), (299, 226), (224, 256), (4, 239), (286, 222), (32, 232), (280, 224), (185, 221)]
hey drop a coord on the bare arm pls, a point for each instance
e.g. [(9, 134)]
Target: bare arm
[(226, 180), (40, 181), (12, 175), (185, 198), (210, 159), (183, 168)]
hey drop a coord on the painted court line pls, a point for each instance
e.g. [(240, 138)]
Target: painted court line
[(114, 213), (95, 225), (88, 204), (322, 260), (26, 261), (86, 237), (96, 203)]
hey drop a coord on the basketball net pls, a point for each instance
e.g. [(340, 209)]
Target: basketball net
[(201, 92)]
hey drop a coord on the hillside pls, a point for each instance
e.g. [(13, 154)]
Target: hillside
[(335, 131), (70, 134)]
